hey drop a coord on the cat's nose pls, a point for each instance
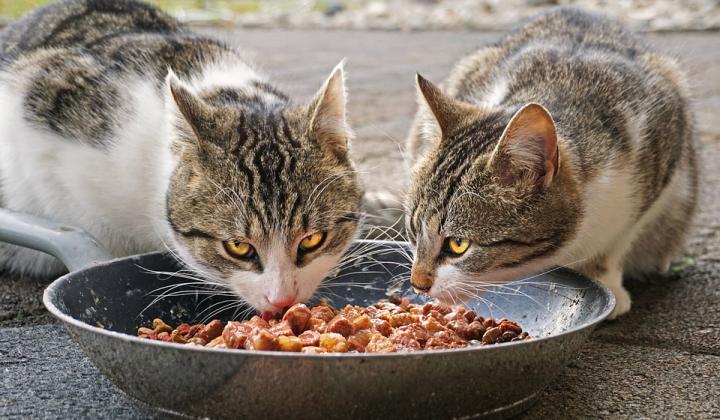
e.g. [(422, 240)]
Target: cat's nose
[(421, 280), (281, 302)]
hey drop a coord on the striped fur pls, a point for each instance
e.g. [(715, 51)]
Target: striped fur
[(614, 195)]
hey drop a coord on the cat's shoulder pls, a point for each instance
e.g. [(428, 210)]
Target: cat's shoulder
[(79, 72), (81, 22), (573, 26)]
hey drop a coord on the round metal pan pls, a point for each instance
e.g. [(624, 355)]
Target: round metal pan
[(103, 303)]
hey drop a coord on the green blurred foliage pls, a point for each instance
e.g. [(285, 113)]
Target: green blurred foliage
[(17, 8), (11, 9)]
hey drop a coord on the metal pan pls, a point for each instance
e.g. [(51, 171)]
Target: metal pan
[(103, 301)]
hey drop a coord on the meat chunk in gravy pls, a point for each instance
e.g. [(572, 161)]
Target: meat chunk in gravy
[(389, 326)]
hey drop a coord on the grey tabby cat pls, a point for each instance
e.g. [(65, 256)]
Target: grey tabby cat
[(569, 142), (119, 120)]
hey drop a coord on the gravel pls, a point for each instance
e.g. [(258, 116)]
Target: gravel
[(411, 15)]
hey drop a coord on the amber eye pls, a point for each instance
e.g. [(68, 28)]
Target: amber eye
[(456, 246), (239, 249), (312, 242)]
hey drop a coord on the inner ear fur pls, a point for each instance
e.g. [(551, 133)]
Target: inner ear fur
[(198, 115), (527, 152), (328, 115)]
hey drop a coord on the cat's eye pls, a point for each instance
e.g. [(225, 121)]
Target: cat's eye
[(456, 246), (239, 249), (312, 242)]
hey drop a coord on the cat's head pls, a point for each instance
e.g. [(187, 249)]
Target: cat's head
[(491, 200), (264, 198)]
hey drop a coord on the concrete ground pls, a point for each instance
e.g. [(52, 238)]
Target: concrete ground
[(661, 360)]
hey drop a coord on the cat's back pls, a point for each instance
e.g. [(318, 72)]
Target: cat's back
[(81, 23), (610, 93), (576, 30), (557, 58), (78, 66), (587, 69)]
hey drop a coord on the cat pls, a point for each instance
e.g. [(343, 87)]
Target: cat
[(569, 142), (119, 120)]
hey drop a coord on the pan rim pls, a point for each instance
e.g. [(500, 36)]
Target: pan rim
[(51, 293)]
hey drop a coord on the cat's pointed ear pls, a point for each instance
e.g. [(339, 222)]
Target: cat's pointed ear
[(527, 152), (328, 120), (447, 113), (197, 114)]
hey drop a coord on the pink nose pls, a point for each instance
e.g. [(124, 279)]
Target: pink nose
[(283, 302)]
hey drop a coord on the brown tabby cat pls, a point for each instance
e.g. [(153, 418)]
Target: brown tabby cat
[(569, 142), (251, 190)]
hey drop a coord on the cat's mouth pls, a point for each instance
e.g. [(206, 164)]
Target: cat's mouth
[(453, 285), (420, 289), (271, 310), (445, 296), (264, 308)]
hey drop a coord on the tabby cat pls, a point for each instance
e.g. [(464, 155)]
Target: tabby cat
[(568, 142), (117, 119)]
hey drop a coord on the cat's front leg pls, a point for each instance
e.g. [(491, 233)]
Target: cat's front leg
[(613, 278), (610, 274)]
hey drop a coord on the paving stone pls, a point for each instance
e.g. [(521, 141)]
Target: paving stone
[(44, 375), (626, 381), (21, 301)]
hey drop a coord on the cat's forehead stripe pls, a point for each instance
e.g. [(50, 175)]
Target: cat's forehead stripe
[(455, 157)]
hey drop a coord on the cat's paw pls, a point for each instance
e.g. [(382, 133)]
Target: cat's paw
[(622, 301)]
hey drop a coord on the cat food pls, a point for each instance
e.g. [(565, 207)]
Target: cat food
[(393, 325)]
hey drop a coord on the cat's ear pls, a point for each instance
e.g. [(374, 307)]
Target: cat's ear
[(328, 116), (527, 152), (447, 114), (197, 114)]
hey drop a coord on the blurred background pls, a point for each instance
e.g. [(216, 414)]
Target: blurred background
[(413, 15)]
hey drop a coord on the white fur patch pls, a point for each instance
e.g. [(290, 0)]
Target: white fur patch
[(611, 223), (116, 194), (229, 73), (449, 284), (495, 95), (636, 124), (610, 210), (281, 279), (449, 280), (675, 192)]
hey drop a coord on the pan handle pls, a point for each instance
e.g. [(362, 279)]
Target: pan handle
[(72, 246)]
